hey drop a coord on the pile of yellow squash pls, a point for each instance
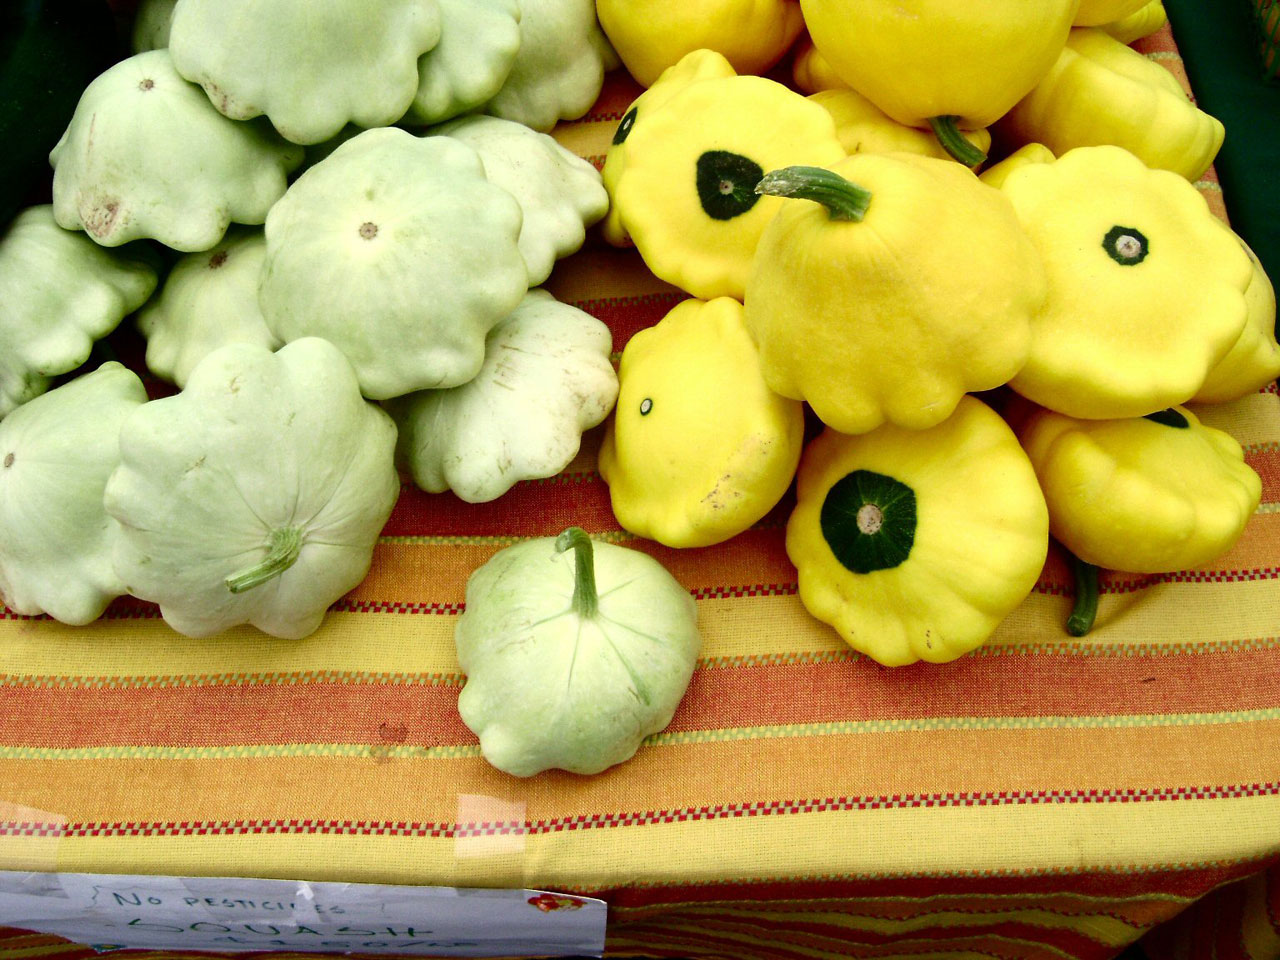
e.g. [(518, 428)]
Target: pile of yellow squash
[(859, 250)]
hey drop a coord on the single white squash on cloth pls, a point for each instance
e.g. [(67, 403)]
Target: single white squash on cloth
[(56, 453), (574, 652), (546, 378), (256, 494)]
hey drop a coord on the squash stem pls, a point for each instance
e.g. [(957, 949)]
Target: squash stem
[(285, 545), (1085, 609), (585, 599), (955, 142), (843, 199)]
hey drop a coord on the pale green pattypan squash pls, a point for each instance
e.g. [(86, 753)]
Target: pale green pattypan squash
[(56, 453), (255, 495), (546, 378), (559, 69), (560, 193), (572, 659), (309, 66), (209, 300), (399, 250), (151, 25), (59, 292), (145, 155), (478, 44)]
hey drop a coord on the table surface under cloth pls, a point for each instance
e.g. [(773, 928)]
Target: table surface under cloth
[(1042, 797)]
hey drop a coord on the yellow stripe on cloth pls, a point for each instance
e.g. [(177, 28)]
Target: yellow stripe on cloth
[(1233, 614), (1009, 839)]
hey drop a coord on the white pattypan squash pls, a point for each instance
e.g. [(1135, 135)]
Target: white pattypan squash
[(546, 378), (478, 44), (310, 66), (59, 292), (209, 299), (400, 251), (572, 659), (151, 23), (146, 155), (56, 453), (256, 495), (560, 193), (559, 69)]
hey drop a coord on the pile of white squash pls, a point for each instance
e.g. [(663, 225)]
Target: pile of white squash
[(319, 259)]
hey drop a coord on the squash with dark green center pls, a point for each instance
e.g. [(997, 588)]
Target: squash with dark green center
[(915, 544)]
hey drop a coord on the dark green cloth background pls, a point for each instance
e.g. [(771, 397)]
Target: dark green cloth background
[(1218, 40)]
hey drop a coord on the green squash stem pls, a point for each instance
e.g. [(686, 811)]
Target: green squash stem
[(586, 601), (955, 142), (285, 545), (843, 199), (1085, 609)]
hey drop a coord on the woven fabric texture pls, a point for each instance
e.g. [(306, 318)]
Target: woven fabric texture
[(1043, 797)]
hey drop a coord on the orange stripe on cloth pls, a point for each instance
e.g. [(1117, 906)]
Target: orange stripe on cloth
[(283, 710), (385, 777), (439, 570)]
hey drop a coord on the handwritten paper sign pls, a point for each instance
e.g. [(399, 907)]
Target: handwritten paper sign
[(229, 914)]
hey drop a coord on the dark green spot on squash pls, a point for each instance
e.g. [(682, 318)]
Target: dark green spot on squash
[(645, 406), (1126, 246), (624, 126), (726, 183), (1169, 418), (869, 521)]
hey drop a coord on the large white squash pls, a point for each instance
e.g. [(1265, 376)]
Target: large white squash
[(399, 250), (256, 494), (310, 65)]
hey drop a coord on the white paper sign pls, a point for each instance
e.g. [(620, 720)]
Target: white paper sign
[(230, 914)]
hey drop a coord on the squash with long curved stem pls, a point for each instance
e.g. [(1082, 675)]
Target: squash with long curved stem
[(574, 651)]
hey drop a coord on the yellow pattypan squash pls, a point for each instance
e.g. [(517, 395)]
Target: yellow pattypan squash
[(1254, 360), (1101, 91), (1146, 291), (687, 195), (1092, 13), (864, 128), (686, 465), (938, 63), (1143, 494), (996, 174), (651, 35), (810, 71), (1143, 22), (909, 284), (914, 545), (694, 66)]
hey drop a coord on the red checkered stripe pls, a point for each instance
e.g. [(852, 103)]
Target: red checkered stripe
[(675, 815)]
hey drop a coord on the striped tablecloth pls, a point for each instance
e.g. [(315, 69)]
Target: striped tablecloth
[(1043, 797)]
